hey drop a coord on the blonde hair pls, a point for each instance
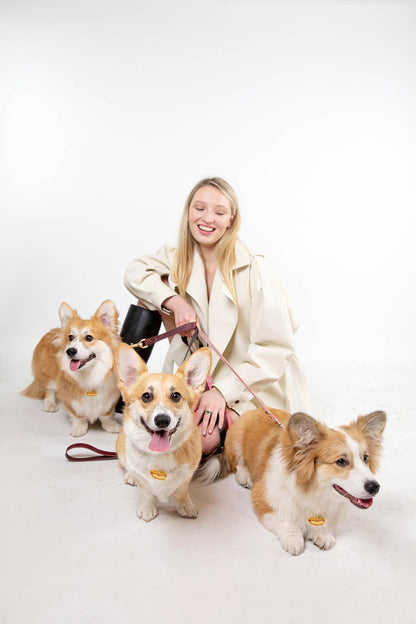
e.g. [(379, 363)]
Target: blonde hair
[(225, 249)]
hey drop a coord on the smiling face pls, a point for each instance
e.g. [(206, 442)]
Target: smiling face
[(210, 215)]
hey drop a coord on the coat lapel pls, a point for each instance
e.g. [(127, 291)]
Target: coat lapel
[(222, 317), (197, 289), (219, 317)]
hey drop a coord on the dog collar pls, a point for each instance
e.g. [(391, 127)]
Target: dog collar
[(91, 393), (316, 520), (158, 474)]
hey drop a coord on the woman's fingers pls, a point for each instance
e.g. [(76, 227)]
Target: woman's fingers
[(210, 411), (206, 422)]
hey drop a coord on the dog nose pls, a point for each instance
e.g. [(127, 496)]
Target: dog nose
[(162, 421), (71, 351), (372, 487)]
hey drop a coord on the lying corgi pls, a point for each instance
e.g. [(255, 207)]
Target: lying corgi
[(159, 447), (303, 473), (75, 364)]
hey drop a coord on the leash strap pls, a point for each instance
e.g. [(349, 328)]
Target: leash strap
[(146, 342), (101, 455), (214, 348)]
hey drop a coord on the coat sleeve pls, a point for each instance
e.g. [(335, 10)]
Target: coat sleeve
[(143, 278), (269, 339)]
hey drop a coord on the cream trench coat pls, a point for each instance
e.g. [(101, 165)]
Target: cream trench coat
[(256, 338)]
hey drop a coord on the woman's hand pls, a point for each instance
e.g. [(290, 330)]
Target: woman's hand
[(210, 407), (183, 312)]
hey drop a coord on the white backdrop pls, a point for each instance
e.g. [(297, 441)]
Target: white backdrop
[(111, 111)]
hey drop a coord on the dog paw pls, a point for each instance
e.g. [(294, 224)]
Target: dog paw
[(325, 541), (187, 511), (112, 426), (293, 544), (147, 513), (129, 479), (79, 428), (242, 476), (49, 405)]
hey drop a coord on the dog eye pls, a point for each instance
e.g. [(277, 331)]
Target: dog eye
[(147, 397), (366, 458), (342, 463), (89, 338), (175, 397), (71, 337)]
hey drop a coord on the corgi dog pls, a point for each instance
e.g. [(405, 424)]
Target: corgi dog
[(75, 364), (159, 447), (302, 475)]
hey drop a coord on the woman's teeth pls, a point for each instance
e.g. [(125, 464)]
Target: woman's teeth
[(206, 229)]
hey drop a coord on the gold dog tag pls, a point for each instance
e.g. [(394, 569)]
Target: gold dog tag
[(91, 393), (316, 520), (158, 474)]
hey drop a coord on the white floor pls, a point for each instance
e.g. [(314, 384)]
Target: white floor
[(74, 551)]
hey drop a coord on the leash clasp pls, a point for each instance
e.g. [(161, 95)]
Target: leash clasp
[(273, 417), (141, 344)]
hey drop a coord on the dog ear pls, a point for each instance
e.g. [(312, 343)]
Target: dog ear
[(107, 314), (371, 427), (66, 313), (305, 429), (128, 366), (373, 424), (196, 369)]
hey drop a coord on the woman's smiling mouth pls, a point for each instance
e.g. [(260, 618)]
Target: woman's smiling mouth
[(205, 229)]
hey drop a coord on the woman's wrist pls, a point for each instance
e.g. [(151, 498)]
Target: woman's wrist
[(219, 392), (171, 303)]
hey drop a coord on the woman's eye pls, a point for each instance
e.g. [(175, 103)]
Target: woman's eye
[(70, 337), (341, 462), (175, 397), (89, 338), (147, 397)]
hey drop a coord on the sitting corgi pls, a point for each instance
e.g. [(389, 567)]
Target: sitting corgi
[(159, 447), (301, 475), (74, 363)]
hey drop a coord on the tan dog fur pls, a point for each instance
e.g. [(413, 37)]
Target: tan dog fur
[(162, 474), (90, 391), (302, 474)]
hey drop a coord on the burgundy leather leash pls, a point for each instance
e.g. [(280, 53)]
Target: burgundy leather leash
[(147, 342), (100, 453), (143, 344)]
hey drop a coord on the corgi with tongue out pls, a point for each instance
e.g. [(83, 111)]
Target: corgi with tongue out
[(74, 365), (304, 475), (159, 447)]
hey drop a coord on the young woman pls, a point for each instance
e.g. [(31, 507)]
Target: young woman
[(233, 295)]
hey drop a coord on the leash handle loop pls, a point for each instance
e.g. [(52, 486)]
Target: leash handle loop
[(101, 454)]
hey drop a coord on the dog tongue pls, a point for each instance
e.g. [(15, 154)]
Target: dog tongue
[(364, 503), (160, 441), (75, 364)]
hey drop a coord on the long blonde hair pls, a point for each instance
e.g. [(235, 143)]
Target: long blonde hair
[(225, 249)]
